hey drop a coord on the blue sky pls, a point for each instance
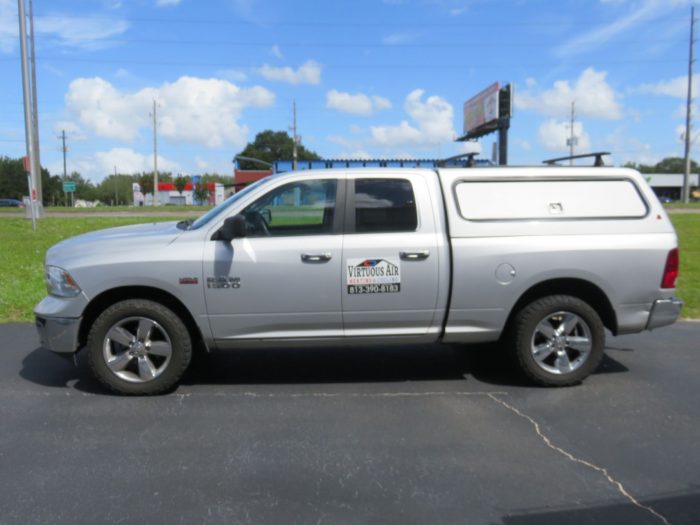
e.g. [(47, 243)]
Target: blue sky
[(370, 78)]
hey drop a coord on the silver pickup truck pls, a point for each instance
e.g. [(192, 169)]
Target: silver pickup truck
[(543, 259)]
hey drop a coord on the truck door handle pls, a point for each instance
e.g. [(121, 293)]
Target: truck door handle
[(316, 257), (415, 256)]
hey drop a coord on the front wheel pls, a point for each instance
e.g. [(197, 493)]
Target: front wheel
[(139, 347), (558, 340)]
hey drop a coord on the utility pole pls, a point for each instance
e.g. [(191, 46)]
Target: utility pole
[(686, 175), (295, 138), (116, 188), (28, 128), (155, 156), (36, 166), (64, 149), (571, 142)]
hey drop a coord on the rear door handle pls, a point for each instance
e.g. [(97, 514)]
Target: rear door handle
[(414, 256), (316, 257)]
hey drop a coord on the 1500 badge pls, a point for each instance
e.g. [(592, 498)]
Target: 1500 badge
[(223, 282)]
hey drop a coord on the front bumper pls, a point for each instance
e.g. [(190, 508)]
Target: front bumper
[(59, 334), (664, 312)]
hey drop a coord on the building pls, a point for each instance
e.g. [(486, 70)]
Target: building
[(670, 185), (168, 194)]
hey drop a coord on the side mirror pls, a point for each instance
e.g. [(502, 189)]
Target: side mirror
[(232, 228)]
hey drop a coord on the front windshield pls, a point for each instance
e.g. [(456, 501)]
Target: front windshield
[(214, 212)]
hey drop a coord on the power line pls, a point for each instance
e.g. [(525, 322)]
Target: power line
[(355, 44), (332, 23), (489, 65)]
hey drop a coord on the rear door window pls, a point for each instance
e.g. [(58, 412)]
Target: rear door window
[(384, 205)]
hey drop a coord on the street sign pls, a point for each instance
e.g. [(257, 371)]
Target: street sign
[(68, 186)]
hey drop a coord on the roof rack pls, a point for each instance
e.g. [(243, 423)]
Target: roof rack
[(598, 158), (470, 157)]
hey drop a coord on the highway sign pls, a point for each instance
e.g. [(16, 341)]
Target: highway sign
[(68, 186)]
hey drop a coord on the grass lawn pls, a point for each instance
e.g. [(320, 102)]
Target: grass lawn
[(22, 254), (688, 229), (690, 205), (102, 209), (22, 258)]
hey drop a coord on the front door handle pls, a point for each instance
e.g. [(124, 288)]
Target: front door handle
[(316, 257), (414, 256)]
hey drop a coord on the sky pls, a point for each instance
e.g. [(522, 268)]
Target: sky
[(370, 78)]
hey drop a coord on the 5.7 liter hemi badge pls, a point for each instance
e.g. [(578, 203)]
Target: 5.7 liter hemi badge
[(366, 276), (223, 282), (188, 280)]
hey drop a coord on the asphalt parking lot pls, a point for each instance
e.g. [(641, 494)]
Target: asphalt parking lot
[(377, 435)]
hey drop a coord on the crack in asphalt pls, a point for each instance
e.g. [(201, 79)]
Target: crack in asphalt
[(617, 484)]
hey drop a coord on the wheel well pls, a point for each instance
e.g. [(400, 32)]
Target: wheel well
[(584, 290), (109, 297)]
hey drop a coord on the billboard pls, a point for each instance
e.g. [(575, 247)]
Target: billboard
[(481, 109)]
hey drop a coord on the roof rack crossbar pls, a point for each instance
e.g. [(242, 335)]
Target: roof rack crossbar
[(598, 158), (471, 162)]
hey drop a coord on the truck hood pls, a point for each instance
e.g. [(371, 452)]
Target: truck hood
[(123, 240)]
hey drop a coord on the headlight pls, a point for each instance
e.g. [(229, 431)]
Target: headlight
[(60, 283)]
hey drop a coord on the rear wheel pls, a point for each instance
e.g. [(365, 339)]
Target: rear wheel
[(558, 340), (139, 347)]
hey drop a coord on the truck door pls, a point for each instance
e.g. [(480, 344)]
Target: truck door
[(280, 281), (391, 257)]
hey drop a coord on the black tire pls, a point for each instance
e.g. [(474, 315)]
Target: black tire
[(543, 359), (151, 367)]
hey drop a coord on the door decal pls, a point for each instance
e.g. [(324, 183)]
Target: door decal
[(369, 276)]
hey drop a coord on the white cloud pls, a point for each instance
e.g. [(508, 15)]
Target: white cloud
[(639, 12), (553, 135), (397, 39), (627, 148), (470, 146), (276, 51), (358, 103), (593, 96), (524, 144), (9, 26), (232, 75), (308, 73), (73, 131), (201, 163), (128, 161), (675, 87), (432, 124), (201, 111), (165, 3), (84, 32)]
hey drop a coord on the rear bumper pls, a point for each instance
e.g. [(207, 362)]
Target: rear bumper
[(58, 334), (664, 312)]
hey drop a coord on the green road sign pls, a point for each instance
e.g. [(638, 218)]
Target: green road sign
[(69, 186)]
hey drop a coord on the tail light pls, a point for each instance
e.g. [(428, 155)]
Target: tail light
[(670, 270)]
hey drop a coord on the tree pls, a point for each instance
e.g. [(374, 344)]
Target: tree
[(84, 188), (145, 180), (116, 189), (180, 183), (271, 146), (201, 193), (13, 179), (667, 165)]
